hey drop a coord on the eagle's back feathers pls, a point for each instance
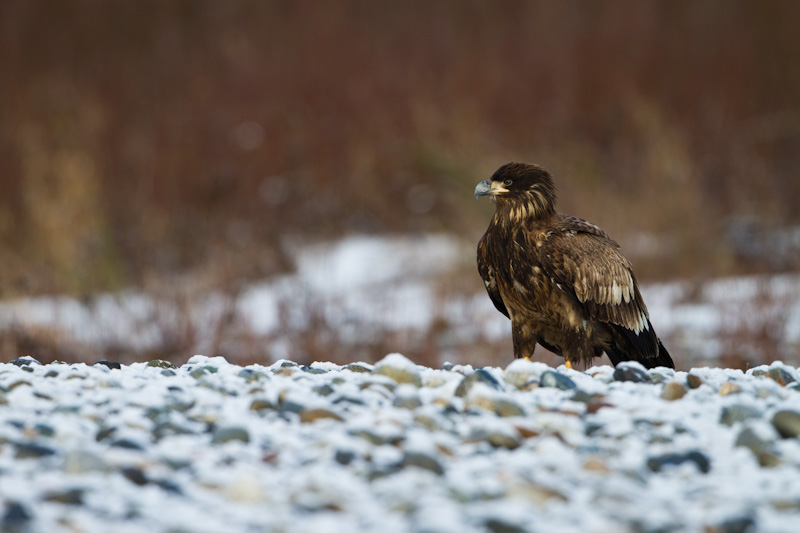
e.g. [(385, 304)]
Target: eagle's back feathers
[(564, 284)]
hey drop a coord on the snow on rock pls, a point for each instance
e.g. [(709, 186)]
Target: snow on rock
[(364, 287), (210, 446)]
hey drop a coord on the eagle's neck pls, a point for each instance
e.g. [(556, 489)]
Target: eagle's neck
[(535, 206)]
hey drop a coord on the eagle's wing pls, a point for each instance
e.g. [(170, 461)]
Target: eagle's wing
[(586, 262), (489, 280)]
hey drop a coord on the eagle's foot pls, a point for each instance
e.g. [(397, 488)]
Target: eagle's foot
[(568, 364)]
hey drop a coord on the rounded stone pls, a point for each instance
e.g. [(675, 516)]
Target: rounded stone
[(729, 387), (760, 444), (261, 404), (407, 402), (251, 376), (25, 361), (672, 391), (313, 370), (67, 497), (693, 381), (700, 460), (401, 375), (312, 415), (479, 376), (82, 461), (359, 368), (500, 406), (738, 413), (222, 435), (780, 376), (160, 363), (502, 440), (629, 372), (787, 423), (32, 450), (424, 461), (556, 380), (323, 390)]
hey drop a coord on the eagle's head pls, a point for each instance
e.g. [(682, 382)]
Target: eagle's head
[(525, 189)]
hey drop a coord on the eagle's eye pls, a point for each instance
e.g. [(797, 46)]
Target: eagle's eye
[(507, 183)]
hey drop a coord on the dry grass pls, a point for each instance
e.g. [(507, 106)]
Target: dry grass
[(144, 143)]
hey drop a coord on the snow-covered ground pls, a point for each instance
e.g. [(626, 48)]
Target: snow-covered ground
[(366, 288), (396, 447)]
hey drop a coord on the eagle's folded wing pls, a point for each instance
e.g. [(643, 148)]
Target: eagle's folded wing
[(588, 265), (489, 280)]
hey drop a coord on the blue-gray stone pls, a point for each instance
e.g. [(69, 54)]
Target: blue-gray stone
[(657, 463), (555, 380), (787, 423), (479, 376)]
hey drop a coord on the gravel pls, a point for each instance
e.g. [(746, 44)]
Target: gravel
[(209, 446)]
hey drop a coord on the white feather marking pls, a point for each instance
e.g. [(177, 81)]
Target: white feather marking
[(520, 287), (617, 291)]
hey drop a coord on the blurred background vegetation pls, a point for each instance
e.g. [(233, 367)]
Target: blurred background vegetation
[(145, 143)]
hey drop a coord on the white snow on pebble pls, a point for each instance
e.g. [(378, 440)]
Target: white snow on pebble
[(397, 447)]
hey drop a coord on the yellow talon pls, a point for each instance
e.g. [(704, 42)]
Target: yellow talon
[(568, 364)]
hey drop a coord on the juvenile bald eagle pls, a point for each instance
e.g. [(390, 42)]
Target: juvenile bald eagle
[(560, 279)]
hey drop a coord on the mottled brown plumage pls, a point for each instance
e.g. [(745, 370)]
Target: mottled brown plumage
[(560, 279)]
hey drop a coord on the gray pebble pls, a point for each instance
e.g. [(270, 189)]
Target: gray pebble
[(657, 463), (198, 372), (25, 361), (160, 363), (68, 497), (479, 376), (344, 457), (738, 524), (556, 380), (787, 423), (128, 444), (500, 406), (168, 429), (738, 413), (762, 447), (399, 375), (313, 370), (423, 460), (502, 440), (628, 372), (379, 439), (16, 518), (32, 450), (82, 461), (407, 402), (134, 475), (222, 435), (359, 368), (323, 390), (251, 376), (781, 376), (500, 525)]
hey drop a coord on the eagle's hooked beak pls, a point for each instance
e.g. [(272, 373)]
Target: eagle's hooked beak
[(489, 188)]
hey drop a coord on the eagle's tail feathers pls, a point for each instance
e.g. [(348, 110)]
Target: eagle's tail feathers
[(644, 347)]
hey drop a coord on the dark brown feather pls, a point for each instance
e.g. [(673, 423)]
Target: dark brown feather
[(560, 279)]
